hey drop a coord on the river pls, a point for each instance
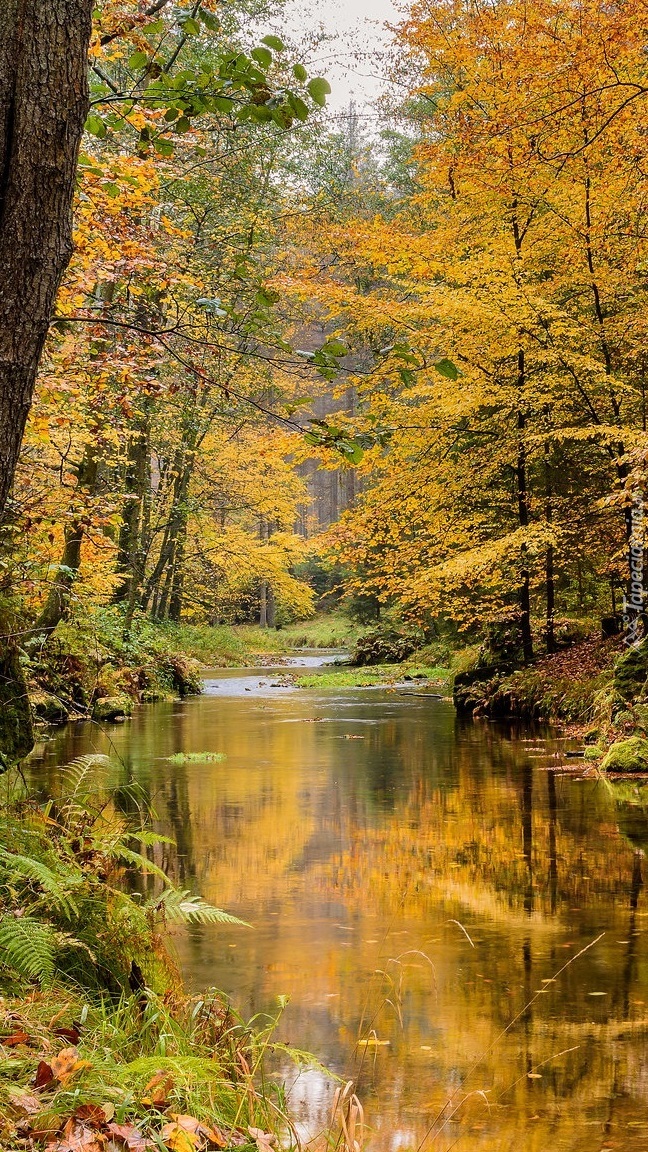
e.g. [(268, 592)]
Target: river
[(418, 888)]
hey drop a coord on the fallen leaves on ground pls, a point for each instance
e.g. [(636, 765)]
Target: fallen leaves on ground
[(186, 1133), (67, 1064), (158, 1090), (16, 1038), (263, 1140)]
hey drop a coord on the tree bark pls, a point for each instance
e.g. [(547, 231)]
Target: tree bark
[(43, 107)]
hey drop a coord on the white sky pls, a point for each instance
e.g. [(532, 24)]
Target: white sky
[(351, 60)]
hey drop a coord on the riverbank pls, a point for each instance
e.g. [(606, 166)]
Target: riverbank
[(94, 670), (101, 1048), (91, 668)]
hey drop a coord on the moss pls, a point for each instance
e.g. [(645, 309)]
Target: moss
[(16, 729), (594, 752), (627, 756), (631, 673), (112, 708), (49, 708)]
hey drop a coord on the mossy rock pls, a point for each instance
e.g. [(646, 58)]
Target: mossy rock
[(49, 708), (184, 675), (155, 696), (627, 756), (631, 673), (112, 708), (16, 730), (594, 752)]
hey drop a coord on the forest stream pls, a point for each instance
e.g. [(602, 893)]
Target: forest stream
[(415, 886)]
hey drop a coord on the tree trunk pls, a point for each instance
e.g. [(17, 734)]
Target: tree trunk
[(58, 601), (550, 582), (43, 107), (523, 519)]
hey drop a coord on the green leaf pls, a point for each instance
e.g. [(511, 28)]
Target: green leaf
[(154, 28), (95, 126), (446, 368), (335, 348), (404, 352), (300, 73), (263, 56), (163, 147), (318, 89), (190, 27), (274, 42), (353, 452), (171, 114), (182, 125), (137, 61), (209, 20), (298, 106)]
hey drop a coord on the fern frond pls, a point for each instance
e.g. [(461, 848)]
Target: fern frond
[(184, 908), (127, 856), (28, 946), (147, 838), (65, 940), (41, 874), (76, 772)]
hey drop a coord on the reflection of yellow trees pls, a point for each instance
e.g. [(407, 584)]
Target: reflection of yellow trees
[(354, 858)]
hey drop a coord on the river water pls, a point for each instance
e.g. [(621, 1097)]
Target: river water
[(420, 889)]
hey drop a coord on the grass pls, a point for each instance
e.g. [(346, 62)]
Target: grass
[(138, 1062), (195, 757), (419, 675)]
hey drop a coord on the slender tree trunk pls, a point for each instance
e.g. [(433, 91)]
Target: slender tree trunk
[(177, 581), (43, 106), (132, 531), (57, 604), (523, 518), (550, 637)]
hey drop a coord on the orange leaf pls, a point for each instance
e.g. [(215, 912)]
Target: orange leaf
[(16, 1038), (182, 1134), (67, 1064), (158, 1089)]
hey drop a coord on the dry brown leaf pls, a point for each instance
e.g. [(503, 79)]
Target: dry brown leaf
[(67, 1064), (14, 1039), (78, 1138), (91, 1114), (128, 1137), (44, 1075), (263, 1140), (72, 1034), (26, 1103)]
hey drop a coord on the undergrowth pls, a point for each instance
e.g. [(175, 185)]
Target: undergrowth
[(100, 1047)]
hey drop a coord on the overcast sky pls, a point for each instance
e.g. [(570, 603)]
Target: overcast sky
[(351, 61)]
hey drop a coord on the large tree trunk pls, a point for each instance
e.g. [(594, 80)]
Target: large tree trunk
[(43, 106)]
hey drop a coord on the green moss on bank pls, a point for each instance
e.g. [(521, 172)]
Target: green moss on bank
[(385, 675)]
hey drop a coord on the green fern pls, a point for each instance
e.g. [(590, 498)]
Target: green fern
[(38, 872), (29, 947), (77, 771), (184, 908), (127, 856), (148, 838)]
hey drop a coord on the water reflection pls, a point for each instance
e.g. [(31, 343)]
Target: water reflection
[(415, 883)]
